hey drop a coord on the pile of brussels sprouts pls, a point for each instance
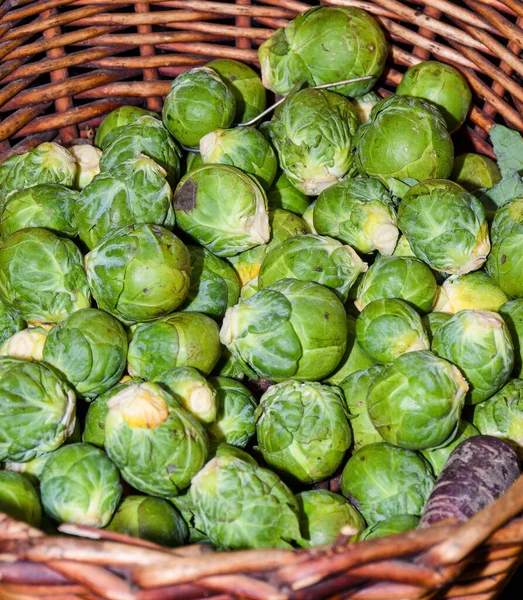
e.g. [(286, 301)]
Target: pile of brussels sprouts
[(191, 343)]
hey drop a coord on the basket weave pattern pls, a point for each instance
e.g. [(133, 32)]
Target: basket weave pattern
[(66, 63)]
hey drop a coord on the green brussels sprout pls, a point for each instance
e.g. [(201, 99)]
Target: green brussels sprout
[(308, 217), (27, 344), (405, 278), (151, 519), (442, 85), (10, 322), (289, 330), (445, 226), (312, 258), (473, 291), (234, 423), (249, 289), (241, 505), (199, 102), (439, 456), (416, 402), (47, 163), (185, 506), (242, 147), (512, 313), (432, 321), (282, 194), (364, 104), (228, 450), (383, 481), (324, 514), (404, 138), (214, 284), (505, 262), (223, 209), (389, 328), (41, 276), (324, 45), (193, 161), (192, 390), (156, 444), (245, 85), (146, 135), (313, 133), (359, 212), (475, 172), (354, 359), (478, 342), (51, 206), (32, 469), (303, 430), (403, 248), (355, 388), (185, 339), (90, 349), (138, 273), (80, 485), (19, 499), (390, 526), (117, 121), (87, 164), (502, 415), (228, 366), (135, 191)]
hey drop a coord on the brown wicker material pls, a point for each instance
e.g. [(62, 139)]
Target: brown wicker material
[(66, 63)]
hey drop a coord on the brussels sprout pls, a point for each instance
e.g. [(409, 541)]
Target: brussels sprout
[(185, 505), (10, 322), (228, 450), (234, 422), (241, 505), (313, 133), (439, 456), (354, 359), (199, 102), (193, 161), (282, 194), (445, 226), (399, 277), (512, 313), (308, 217), (27, 344), (390, 526), (324, 45), (117, 121), (505, 263), (290, 330), (87, 164), (146, 135), (151, 519), (432, 322), (138, 273), (135, 191), (90, 349), (214, 284), (46, 205), (416, 402), (324, 514), (245, 85), (184, 339), (365, 103), (475, 172), (19, 499), (383, 481), (359, 212), (228, 366), (312, 258), (32, 469), (355, 388), (80, 485), (473, 291), (47, 163), (192, 390), (404, 137), (442, 85), (403, 248), (41, 276), (157, 445), (502, 415), (389, 328), (303, 430), (242, 147), (478, 342), (223, 209)]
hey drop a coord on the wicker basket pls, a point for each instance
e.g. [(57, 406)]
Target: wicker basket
[(63, 65)]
